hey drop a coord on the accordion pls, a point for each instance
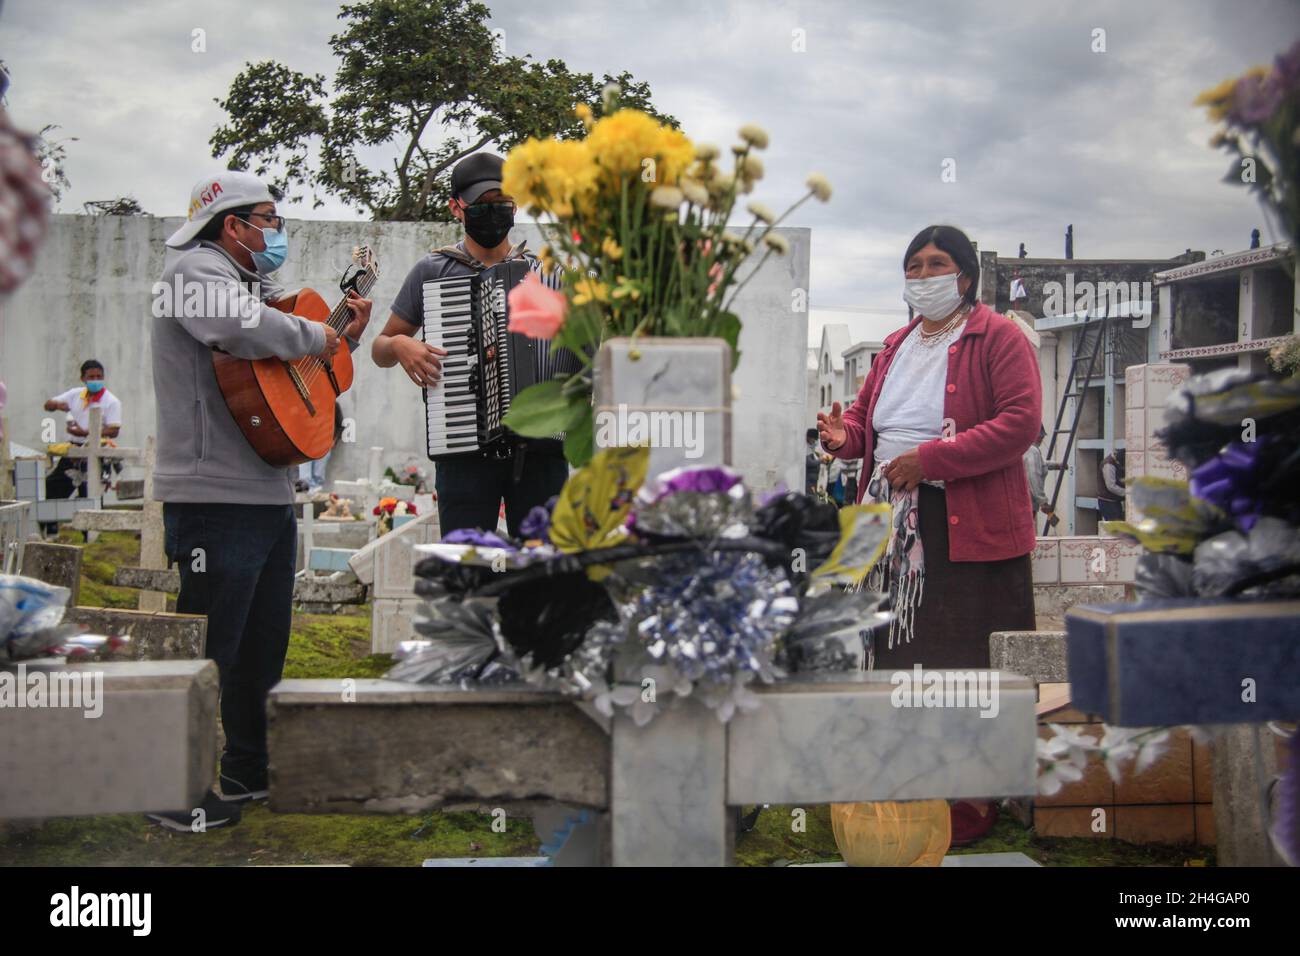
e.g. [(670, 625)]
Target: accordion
[(485, 366)]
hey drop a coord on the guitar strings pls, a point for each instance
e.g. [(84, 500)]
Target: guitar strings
[(311, 367)]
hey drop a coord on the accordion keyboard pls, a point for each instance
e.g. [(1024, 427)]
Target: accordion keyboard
[(451, 406)]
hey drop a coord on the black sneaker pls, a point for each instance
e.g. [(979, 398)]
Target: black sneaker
[(248, 786), (215, 813)]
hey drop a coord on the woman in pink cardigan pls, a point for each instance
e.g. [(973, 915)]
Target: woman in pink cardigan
[(942, 423)]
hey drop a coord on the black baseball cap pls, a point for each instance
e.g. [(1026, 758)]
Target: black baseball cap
[(475, 175)]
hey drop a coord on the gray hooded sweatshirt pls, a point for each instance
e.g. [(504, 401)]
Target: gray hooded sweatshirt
[(202, 455)]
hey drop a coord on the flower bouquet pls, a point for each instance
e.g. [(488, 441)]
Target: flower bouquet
[(1261, 116), (636, 218), (1222, 552), (387, 508), (631, 592)]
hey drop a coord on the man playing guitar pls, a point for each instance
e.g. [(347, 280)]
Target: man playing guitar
[(228, 515)]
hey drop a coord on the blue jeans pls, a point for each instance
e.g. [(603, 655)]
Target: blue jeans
[(313, 472), (237, 567)]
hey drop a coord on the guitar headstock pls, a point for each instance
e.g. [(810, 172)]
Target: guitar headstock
[(363, 272), (364, 258)]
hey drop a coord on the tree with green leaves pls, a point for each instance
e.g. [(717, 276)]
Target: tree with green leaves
[(422, 83)]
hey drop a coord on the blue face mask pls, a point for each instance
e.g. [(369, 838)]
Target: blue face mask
[(95, 386), (276, 251)]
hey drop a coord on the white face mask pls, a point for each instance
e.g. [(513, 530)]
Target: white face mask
[(935, 298)]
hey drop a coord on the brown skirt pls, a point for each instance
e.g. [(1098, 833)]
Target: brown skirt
[(962, 602)]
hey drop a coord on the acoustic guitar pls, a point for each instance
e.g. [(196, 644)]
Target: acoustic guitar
[(285, 408)]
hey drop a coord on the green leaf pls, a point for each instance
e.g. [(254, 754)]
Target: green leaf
[(579, 442), (542, 410)]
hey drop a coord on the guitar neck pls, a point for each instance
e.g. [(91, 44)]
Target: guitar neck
[(341, 315)]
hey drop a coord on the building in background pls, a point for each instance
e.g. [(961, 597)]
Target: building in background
[(857, 362), (1229, 310), (830, 364), (1078, 307)]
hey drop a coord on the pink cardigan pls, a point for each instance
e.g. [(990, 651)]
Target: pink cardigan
[(994, 397)]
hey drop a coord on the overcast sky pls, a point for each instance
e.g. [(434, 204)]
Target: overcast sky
[(1043, 130)]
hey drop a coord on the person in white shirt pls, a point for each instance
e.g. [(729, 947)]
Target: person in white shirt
[(69, 476)]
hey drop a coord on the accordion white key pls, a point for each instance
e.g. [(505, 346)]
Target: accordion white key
[(486, 365)]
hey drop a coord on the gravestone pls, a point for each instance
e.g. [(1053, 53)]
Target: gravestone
[(155, 635), (152, 747), (672, 393), (397, 747), (57, 564)]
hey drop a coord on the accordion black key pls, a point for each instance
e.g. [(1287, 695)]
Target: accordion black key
[(486, 365)]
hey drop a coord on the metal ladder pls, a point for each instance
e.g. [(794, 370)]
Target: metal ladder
[(1077, 392)]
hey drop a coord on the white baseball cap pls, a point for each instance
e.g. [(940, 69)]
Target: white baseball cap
[(228, 189)]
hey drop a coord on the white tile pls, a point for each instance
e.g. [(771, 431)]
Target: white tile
[(1135, 386), (1135, 428), (1161, 380), (1047, 561)]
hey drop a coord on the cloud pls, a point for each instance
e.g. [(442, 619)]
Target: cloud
[(1043, 130)]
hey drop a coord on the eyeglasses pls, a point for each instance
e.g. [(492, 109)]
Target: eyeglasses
[(277, 222), (480, 209)]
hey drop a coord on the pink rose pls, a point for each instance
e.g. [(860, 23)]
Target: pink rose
[(535, 310)]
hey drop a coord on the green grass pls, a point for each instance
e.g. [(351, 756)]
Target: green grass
[(325, 645), (263, 837)]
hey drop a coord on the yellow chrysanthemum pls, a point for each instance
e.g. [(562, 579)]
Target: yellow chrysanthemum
[(589, 290), (551, 175), (1218, 100), (622, 142), (613, 251)]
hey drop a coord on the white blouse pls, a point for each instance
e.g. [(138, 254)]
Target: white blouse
[(910, 408)]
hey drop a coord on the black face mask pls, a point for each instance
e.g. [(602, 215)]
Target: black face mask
[(489, 228)]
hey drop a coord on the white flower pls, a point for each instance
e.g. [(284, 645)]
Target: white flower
[(761, 212), (1117, 748), (669, 197), (777, 244), (609, 96), (1054, 773), (694, 191), (820, 186), (706, 152), (1079, 745), (730, 239), (755, 136), (751, 168)]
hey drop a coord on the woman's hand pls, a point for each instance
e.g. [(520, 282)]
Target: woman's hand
[(904, 472), (830, 428)]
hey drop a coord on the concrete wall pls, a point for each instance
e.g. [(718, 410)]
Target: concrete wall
[(90, 297)]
